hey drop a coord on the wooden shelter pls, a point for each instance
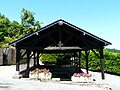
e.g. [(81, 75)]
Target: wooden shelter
[(59, 36)]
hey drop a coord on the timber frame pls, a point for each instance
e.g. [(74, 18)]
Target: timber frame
[(59, 36)]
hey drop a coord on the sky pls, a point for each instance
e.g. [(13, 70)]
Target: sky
[(99, 17)]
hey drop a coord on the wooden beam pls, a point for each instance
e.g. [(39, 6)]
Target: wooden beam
[(96, 53), (67, 40), (40, 55), (60, 35), (78, 37), (42, 50), (83, 54), (33, 42), (23, 55), (83, 39), (33, 48), (52, 40), (31, 55)]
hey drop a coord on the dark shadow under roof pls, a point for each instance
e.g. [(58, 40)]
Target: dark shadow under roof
[(60, 34)]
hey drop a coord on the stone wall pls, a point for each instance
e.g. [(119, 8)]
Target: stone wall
[(7, 56), (1, 56)]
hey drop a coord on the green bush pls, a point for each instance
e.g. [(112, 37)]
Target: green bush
[(111, 61)]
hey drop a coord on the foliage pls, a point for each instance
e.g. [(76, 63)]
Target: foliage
[(111, 61), (28, 21), (15, 30), (113, 50), (93, 62), (58, 59), (12, 30), (4, 24), (48, 58)]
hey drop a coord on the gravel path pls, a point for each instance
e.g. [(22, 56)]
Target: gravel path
[(8, 83)]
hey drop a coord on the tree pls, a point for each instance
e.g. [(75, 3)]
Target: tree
[(4, 23), (11, 31), (28, 21)]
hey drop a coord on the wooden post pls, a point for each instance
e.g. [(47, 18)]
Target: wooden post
[(79, 61), (86, 55), (28, 60), (38, 58), (34, 58), (76, 60), (17, 59), (102, 63)]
